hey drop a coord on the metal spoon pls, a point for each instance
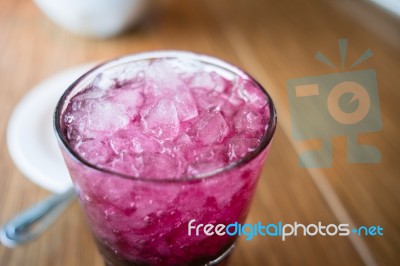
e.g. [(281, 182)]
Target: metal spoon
[(35, 220)]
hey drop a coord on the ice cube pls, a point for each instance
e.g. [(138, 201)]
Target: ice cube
[(73, 135), (80, 105), (159, 165), (106, 116), (132, 100), (240, 145), (120, 145), (207, 153), (90, 93), (95, 151), (185, 105), (127, 164), (211, 128), (202, 80), (248, 121), (132, 141), (251, 94), (220, 84), (205, 159), (162, 79), (183, 140), (207, 99), (232, 96), (228, 111), (103, 82), (179, 147), (141, 143), (161, 120)]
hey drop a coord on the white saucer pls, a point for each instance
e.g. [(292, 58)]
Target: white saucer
[(30, 136)]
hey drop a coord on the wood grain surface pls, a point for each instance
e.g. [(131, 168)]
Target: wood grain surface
[(274, 41)]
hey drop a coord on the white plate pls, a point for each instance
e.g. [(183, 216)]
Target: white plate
[(30, 136)]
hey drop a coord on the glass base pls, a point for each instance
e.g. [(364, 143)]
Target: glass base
[(222, 260)]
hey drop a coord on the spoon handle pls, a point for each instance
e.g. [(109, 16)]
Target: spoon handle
[(35, 220)]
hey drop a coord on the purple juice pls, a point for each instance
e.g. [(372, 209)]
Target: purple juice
[(154, 143)]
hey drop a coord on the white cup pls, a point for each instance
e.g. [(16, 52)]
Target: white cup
[(94, 18)]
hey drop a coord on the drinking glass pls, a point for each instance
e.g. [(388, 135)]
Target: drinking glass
[(145, 221)]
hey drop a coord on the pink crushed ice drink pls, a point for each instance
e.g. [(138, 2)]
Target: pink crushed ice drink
[(155, 140)]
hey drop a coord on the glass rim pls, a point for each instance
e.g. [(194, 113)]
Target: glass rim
[(265, 140)]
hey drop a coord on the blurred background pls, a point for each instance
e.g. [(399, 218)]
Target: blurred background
[(274, 41)]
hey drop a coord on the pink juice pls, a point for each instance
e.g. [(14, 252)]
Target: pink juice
[(152, 144)]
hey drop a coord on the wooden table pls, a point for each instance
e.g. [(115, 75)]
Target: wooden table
[(274, 41)]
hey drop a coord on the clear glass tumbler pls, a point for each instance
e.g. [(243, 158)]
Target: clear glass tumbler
[(145, 221)]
